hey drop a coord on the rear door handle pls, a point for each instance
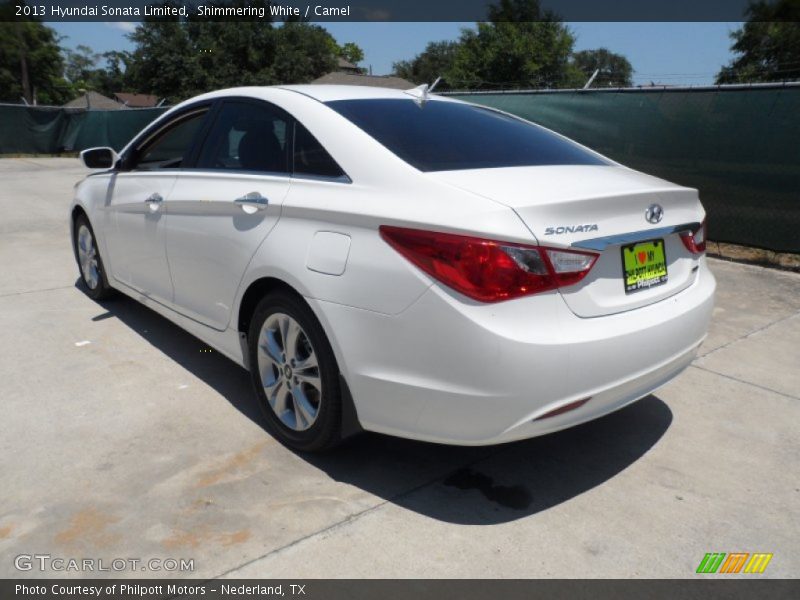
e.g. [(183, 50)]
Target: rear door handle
[(154, 201), (252, 202)]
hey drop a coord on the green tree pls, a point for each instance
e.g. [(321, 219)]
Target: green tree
[(435, 61), (80, 64), (302, 53), (520, 47), (113, 78), (176, 60), (614, 69), (83, 72), (768, 46), (164, 61), (351, 52), (31, 66), (229, 55)]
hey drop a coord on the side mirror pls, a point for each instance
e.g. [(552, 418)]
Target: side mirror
[(99, 158)]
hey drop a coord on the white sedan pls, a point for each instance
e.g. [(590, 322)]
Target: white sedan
[(398, 262)]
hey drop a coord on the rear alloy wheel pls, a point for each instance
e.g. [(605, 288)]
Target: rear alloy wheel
[(289, 372), (294, 374), (91, 266)]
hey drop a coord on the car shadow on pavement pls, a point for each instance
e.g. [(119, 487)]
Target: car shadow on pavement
[(465, 485), (498, 484)]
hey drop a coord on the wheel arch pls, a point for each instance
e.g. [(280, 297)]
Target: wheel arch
[(76, 211), (256, 290)]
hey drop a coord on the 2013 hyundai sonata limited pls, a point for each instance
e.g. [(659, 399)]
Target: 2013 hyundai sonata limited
[(399, 262)]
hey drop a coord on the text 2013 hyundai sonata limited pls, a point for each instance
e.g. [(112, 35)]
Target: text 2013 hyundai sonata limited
[(389, 261)]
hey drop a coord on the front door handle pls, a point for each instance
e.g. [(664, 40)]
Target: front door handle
[(253, 200), (154, 201)]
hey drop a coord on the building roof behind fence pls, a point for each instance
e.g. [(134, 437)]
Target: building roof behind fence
[(136, 100), (94, 101)]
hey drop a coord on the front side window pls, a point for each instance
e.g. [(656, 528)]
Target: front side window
[(310, 158), (169, 147), (444, 136), (248, 137)]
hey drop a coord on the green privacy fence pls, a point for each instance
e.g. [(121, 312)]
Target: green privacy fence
[(50, 130), (739, 146)]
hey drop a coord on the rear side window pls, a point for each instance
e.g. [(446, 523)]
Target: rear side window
[(168, 149), (444, 136), (310, 158), (248, 137)]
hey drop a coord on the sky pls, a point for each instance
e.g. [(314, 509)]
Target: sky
[(668, 53)]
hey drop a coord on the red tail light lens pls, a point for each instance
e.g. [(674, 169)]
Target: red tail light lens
[(695, 241), (488, 270)]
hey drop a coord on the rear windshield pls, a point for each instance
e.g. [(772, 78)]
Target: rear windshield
[(446, 136)]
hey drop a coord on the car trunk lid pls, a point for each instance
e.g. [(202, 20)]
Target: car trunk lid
[(597, 208)]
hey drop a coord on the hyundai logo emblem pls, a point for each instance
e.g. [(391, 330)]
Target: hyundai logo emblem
[(654, 213)]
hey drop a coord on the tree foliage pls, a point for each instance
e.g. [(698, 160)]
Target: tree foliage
[(112, 78), (172, 59), (303, 53), (165, 61), (768, 46), (614, 69), (435, 61), (352, 53), (80, 63), (176, 60), (521, 46), (31, 66)]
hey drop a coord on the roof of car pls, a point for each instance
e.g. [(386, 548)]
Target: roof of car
[(329, 93), (320, 93)]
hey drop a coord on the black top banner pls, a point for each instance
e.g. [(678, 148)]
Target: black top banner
[(380, 10)]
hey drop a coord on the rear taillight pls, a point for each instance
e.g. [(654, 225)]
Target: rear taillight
[(695, 241), (488, 270)]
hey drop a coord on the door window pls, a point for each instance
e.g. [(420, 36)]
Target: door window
[(170, 146), (248, 137)]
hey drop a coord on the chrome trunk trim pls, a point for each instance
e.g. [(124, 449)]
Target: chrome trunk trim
[(601, 243)]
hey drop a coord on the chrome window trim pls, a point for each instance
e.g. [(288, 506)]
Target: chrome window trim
[(222, 172), (345, 178), (601, 243)]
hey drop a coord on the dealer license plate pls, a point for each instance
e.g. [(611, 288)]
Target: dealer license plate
[(644, 265)]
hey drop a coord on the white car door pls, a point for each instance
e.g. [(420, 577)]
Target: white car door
[(222, 208), (134, 213)]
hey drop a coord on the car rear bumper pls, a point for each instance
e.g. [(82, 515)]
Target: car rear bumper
[(473, 374)]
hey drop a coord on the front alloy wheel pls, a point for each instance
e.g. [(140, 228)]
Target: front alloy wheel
[(89, 260)]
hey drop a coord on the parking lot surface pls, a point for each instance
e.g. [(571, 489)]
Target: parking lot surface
[(123, 437)]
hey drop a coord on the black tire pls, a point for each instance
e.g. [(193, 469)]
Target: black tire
[(99, 289), (325, 432)]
